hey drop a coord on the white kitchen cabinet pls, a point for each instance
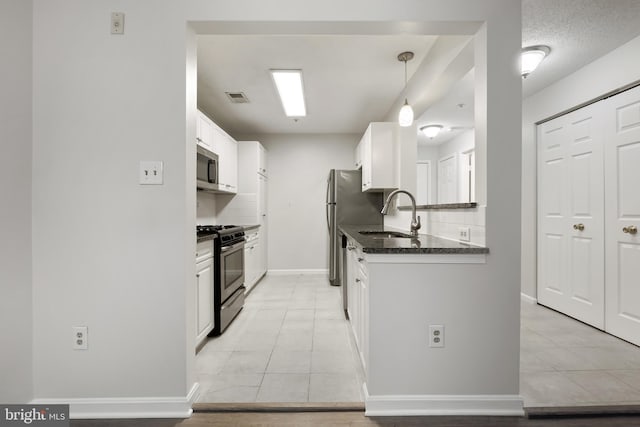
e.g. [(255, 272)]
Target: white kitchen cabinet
[(204, 290), (227, 150), (204, 127), (357, 155), (357, 299), (377, 150), (249, 206), (253, 272)]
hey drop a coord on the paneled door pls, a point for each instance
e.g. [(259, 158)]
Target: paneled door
[(448, 179), (571, 215), (622, 180)]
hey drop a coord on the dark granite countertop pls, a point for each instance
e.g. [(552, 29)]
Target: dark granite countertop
[(423, 244), (469, 205)]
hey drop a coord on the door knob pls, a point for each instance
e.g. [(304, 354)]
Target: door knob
[(632, 229), (579, 227)]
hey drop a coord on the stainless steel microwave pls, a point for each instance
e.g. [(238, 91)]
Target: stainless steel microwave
[(207, 170)]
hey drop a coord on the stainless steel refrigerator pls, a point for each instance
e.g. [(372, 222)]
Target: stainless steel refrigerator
[(347, 205)]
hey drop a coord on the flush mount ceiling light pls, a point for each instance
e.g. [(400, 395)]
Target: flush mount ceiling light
[(531, 57), (431, 131), (405, 116), (289, 86)]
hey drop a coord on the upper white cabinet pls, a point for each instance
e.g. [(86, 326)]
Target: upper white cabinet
[(357, 155), (227, 150), (213, 138), (204, 127), (377, 150)]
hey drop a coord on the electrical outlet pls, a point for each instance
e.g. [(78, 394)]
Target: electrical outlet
[(150, 173), (464, 234), (436, 335), (80, 338)]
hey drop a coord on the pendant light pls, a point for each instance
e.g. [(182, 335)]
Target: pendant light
[(405, 116)]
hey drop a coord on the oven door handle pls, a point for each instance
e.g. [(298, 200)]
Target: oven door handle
[(232, 247)]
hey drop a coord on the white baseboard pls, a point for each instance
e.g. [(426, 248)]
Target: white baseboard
[(527, 298), (320, 271), (128, 407), (425, 405)]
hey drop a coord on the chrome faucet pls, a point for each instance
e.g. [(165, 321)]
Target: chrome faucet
[(415, 222)]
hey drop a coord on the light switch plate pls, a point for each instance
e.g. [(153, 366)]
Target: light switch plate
[(117, 23), (150, 172)]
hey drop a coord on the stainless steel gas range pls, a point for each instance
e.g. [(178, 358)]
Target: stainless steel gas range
[(228, 282)]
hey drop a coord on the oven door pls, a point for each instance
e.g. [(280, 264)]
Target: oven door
[(231, 269)]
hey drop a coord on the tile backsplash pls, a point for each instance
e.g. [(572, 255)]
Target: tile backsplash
[(447, 222), (444, 223)]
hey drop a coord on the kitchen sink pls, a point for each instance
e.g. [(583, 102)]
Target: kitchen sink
[(386, 234)]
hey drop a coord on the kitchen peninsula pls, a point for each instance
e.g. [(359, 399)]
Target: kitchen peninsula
[(418, 323)]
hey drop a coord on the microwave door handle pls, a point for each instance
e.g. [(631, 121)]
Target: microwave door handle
[(209, 163)]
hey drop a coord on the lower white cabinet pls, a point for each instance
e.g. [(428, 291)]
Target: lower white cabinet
[(253, 256), (358, 299), (204, 290)]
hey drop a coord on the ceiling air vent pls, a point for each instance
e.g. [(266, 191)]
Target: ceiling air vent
[(237, 97)]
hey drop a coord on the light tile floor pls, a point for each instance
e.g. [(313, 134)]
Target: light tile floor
[(564, 362), (291, 343)]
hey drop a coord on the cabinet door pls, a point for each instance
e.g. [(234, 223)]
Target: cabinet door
[(262, 160), (363, 321), (203, 131), (231, 172), (262, 218), (622, 180), (204, 299), (365, 158), (571, 215), (227, 150)]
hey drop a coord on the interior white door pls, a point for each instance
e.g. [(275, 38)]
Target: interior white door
[(423, 183), (571, 215), (622, 180), (467, 191), (448, 179)]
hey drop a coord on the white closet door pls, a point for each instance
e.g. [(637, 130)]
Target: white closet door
[(622, 180), (571, 215)]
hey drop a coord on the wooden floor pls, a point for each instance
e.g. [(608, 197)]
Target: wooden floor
[(355, 419)]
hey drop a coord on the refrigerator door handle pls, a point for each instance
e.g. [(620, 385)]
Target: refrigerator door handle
[(326, 199)]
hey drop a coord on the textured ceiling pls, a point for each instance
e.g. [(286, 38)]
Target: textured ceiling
[(577, 31)]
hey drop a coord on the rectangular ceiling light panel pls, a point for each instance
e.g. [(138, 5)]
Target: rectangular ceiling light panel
[(289, 86)]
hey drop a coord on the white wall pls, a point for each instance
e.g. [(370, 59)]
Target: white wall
[(614, 70), (298, 169), (108, 253), (102, 103), (206, 207), (15, 202)]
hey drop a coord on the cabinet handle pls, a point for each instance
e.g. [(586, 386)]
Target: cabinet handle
[(632, 229), (579, 227), (358, 280), (197, 276), (360, 259), (199, 139), (350, 248)]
